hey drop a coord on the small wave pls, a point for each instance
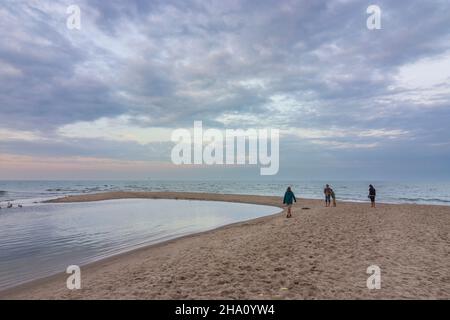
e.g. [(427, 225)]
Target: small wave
[(2, 192), (62, 190), (424, 200)]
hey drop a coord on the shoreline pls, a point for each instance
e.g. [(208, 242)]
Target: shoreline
[(54, 286), (109, 195), (80, 197), (112, 195)]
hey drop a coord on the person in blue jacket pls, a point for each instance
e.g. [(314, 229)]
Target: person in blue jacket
[(289, 198)]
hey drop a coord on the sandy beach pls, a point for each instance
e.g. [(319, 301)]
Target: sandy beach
[(320, 253)]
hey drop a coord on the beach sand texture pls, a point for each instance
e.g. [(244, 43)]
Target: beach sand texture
[(320, 253)]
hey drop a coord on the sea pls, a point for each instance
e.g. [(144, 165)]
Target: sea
[(33, 192)]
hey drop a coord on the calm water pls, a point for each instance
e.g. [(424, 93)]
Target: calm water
[(27, 192), (40, 240)]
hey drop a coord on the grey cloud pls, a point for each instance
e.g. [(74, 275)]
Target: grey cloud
[(190, 60)]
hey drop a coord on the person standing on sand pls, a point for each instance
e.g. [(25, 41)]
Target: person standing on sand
[(372, 195), (333, 196), (289, 197), (327, 192)]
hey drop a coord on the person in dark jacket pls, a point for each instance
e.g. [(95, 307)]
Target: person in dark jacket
[(289, 198), (327, 192), (372, 195)]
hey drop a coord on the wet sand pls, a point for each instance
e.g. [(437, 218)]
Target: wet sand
[(320, 253)]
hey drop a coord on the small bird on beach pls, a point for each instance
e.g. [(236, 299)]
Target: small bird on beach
[(19, 205)]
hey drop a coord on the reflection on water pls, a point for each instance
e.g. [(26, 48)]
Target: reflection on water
[(37, 241)]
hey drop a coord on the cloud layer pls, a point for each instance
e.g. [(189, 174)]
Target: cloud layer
[(345, 98)]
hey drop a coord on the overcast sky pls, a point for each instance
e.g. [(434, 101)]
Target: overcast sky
[(101, 102)]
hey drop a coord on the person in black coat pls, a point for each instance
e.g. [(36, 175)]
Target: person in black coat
[(372, 195)]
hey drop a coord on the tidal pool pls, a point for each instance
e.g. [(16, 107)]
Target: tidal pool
[(41, 240)]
